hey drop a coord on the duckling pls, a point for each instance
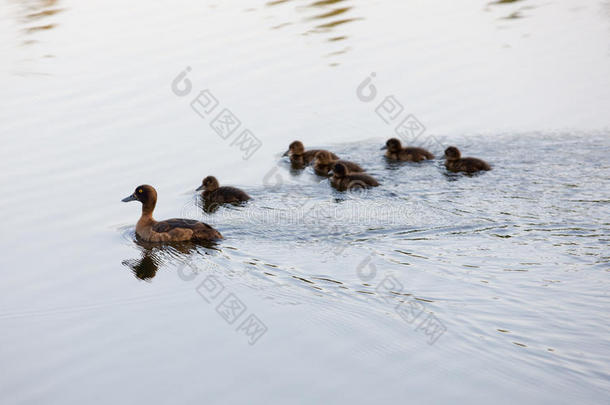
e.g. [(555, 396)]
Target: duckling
[(170, 230), (300, 157), (324, 162), (455, 163), (344, 180), (395, 151), (214, 193)]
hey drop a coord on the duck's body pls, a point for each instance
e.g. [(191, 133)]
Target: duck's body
[(455, 163), (214, 193), (308, 156), (323, 169), (395, 151), (324, 163), (343, 180), (410, 154), (300, 157), (175, 230), (467, 165), (225, 195), (171, 230)]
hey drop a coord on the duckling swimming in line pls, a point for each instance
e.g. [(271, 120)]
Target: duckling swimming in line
[(395, 151), (455, 163), (324, 162), (171, 230), (214, 193), (300, 157), (344, 180)]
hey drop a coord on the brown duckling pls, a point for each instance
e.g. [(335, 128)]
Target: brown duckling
[(300, 157), (170, 230), (344, 180), (324, 162), (395, 151), (455, 163), (214, 193)]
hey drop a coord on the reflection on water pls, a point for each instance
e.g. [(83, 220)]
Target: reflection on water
[(35, 16), (516, 13), (156, 255), (505, 1), (210, 207), (144, 268), (325, 18)]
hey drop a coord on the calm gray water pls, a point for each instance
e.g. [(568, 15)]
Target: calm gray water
[(431, 288)]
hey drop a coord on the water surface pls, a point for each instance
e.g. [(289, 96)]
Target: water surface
[(511, 264)]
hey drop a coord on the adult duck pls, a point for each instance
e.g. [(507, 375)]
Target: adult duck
[(170, 230)]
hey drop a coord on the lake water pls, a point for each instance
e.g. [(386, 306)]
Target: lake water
[(431, 288)]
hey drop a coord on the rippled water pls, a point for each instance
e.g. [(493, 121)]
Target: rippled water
[(433, 287)]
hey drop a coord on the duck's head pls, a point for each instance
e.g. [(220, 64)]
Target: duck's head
[(393, 145), (340, 170), (146, 194), (210, 183), (452, 153), (324, 157), (295, 148)]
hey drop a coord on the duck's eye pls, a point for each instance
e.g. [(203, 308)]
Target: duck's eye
[(140, 191)]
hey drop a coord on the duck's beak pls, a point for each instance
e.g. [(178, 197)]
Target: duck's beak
[(199, 188), (384, 147), (129, 198), (286, 153)]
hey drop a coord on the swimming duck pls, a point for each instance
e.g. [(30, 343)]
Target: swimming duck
[(324, 162), (214, 193), (344, 180), (170, 230), (300, 157), (455, 163), (395, 151)]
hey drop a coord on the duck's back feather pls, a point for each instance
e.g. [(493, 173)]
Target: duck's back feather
[(227, 194), (354, 181), (200, 230), (361, 179), (419, 152), (324, 169), (309, 155), (468, 165), (410, 154)]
